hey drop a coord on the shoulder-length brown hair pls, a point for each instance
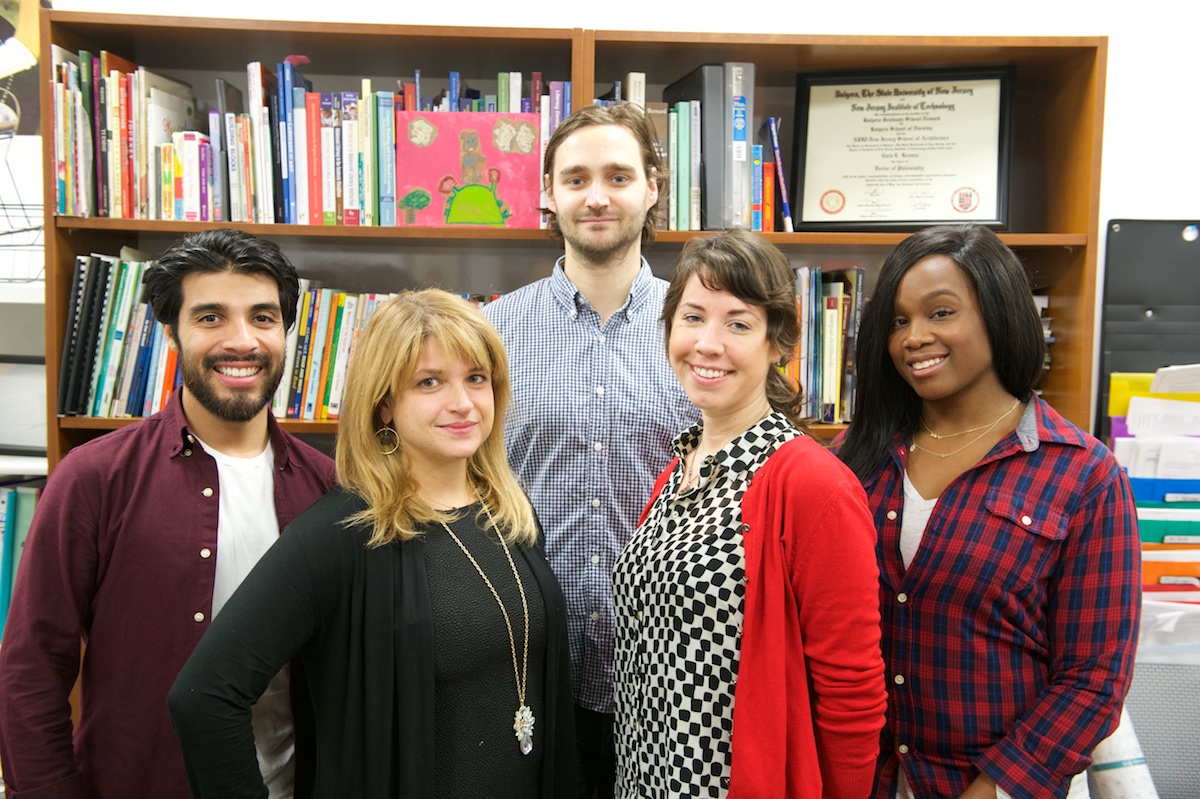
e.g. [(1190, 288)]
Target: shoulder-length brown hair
[(752, 269)]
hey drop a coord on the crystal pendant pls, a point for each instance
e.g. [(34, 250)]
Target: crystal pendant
[(523, 727)]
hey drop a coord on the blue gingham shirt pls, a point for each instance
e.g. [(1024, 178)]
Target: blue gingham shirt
[(595, 408)]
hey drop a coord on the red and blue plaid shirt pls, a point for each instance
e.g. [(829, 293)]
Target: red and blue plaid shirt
[(1009, 641)]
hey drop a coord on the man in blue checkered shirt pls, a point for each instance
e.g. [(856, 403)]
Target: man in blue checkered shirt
[(595, 402)]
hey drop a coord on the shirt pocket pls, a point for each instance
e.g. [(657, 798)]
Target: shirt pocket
[(1020, 541)]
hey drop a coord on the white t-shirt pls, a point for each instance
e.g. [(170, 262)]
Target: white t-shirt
[(246, 528)]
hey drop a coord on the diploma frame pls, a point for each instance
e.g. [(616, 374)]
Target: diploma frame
[(987, 180)]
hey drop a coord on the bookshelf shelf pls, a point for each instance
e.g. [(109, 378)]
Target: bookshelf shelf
[(1059, 104)]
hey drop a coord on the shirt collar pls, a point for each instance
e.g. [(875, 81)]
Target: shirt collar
[(179, 438), (572, 301), (744, 451)]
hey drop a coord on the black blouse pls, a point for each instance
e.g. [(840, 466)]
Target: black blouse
[(357, 625)]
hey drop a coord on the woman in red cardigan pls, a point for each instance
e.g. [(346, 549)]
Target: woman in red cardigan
[(747, 656)]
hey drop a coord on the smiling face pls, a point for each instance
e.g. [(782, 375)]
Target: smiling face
[(444, 412), (599, 191), (939, 344), (230, 340), (721, 354)]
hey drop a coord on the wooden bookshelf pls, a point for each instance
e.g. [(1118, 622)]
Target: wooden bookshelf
[(1058, 113)]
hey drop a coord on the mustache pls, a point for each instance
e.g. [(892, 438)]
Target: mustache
[(255, 358)]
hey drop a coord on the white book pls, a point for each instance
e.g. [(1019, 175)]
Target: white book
[(236, 163), (514, 92), (635, 90), (300, 178)]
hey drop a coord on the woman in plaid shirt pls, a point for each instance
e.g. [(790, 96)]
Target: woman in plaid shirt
[(1008, 545)]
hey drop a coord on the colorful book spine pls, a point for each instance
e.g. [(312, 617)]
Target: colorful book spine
[(673, 168), (351, 198), (387, 157), (683, 170), (368, 147), (316, 177), (756, 187), (328, 163), (285, 74), (316, 353), (295, 405)]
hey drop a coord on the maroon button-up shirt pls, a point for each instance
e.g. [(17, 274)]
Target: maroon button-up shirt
[(121, 555)]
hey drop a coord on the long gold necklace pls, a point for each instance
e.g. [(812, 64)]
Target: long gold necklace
[(986, 429), (523, 718)]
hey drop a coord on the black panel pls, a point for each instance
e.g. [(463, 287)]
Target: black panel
[(1151, 312)]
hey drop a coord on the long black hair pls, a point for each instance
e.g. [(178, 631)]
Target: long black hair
[(885, 403)]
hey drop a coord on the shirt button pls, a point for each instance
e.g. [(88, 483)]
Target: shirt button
[(598, 446), (191, 440), (199, 617), (891, 515), (595, 616), (901, 598), (902, 749), (600, 338), (1025, 520), (898, 679), (187, 453), (206, 553), (208, 492), (639, 615), (595, 559), (724, 782), (596, 502), (600, 391)]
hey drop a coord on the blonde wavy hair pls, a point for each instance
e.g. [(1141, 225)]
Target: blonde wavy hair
[(385, 357)]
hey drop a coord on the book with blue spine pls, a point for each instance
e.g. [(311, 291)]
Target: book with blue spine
[(386, 158)]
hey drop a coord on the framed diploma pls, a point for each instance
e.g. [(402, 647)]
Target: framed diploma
[(900, 149)]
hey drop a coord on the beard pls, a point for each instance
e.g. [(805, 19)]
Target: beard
[(230, 406), (617, 243)]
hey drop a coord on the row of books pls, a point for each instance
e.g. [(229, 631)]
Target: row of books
[(829, 302), (131, 143), (116, 362), (724, 170), (319, 349), (17, 502)]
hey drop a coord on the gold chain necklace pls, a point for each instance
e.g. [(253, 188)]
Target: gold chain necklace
[(986, 430), (937, 437), (523, 718)]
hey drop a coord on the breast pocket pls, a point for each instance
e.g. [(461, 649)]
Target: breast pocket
[(1018, 542)]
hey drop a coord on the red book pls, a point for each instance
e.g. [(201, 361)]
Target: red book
[(312, 120), (168, 384), (126, 142), (410, 99), (768, 196)]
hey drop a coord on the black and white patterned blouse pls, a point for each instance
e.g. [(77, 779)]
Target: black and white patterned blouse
[(678, 590)]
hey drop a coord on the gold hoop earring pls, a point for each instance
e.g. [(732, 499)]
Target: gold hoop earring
[(388, 440)]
